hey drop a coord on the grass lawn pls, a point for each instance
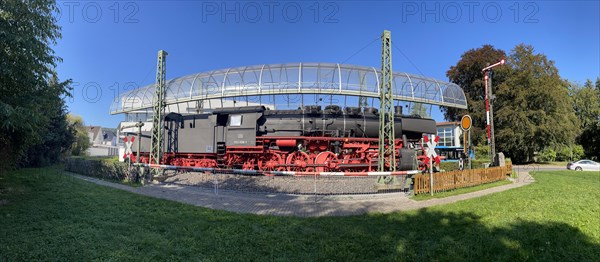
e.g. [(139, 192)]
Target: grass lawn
[(45, 215)]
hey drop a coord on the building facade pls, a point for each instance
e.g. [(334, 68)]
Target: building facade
[(449, 133), (103, 141)]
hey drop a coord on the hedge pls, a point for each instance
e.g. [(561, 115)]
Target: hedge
[(102, 168)]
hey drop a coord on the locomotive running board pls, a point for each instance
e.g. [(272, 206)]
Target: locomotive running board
[(278, 173)]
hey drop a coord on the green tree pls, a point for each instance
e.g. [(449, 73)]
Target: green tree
[(590, 140), (54, 132), (468, 75), (28, 105), (547, 155), (586, 102), (534, 110), (81, 141), (569, 152)]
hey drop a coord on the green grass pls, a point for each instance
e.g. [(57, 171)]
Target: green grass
[(461, 190), (45, 215)]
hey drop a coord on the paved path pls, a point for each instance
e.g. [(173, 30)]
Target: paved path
[(295, 205)]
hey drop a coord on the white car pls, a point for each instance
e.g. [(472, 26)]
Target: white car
[(584, 165)]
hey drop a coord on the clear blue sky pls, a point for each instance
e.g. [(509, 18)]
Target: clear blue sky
[(109, 50)]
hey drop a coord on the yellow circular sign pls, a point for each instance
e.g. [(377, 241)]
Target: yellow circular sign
[(465, 122)]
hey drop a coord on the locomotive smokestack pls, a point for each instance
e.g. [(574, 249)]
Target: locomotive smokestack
[(398, 110)]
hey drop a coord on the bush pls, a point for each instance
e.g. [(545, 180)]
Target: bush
[(103, 168), (563, 153), (449, 166), (482, 152), (568, 153), (547, 155), (578, 152)]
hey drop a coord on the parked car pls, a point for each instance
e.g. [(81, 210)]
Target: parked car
[(584, 165)]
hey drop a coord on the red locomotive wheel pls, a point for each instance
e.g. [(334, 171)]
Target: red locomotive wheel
[(207, 163), (249, 164), (298, 161), (327, 162), (271, 162)]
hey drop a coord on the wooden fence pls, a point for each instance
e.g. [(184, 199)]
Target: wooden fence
[(460, 178)]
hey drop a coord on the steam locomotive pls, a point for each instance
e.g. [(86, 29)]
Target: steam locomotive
[(308, 139)]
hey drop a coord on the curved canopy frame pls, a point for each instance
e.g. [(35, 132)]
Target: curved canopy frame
[(298, 78)]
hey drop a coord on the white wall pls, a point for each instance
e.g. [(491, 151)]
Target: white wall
[(103, 151)]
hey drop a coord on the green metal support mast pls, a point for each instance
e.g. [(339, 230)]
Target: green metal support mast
[(159, 109), (387, 148)]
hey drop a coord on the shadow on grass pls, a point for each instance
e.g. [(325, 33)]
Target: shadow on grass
[(432, 235), (60, 218)]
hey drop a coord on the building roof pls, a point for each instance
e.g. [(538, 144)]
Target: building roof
[(447, 123), (108, 134), (289, 80), (94, 130)]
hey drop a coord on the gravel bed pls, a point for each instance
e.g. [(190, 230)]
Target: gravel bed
[(289, 184)]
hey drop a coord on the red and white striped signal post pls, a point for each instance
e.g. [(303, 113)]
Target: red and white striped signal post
[(489, 109)]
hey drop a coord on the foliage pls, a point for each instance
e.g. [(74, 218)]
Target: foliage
[(81, 141), (534, 110), (449, 166), (578, 152), (590, 139), (32, 130), (107, 168), (586, 102), (467, 74), (55, 134), (482, 152), (569, 152), (547, 155), (50, 216)]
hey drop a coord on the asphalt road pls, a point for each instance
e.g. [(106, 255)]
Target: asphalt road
[(534, 167)]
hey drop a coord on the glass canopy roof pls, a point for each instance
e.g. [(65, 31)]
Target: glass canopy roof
[(287, 79)]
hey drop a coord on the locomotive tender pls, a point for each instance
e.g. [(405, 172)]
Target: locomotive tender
[(306, 140)]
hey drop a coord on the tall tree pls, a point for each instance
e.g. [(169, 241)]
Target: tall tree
[(27, 62), (467, 74), (81, 142), (534, 110), (55, 135), (590, 140), (586, 102)]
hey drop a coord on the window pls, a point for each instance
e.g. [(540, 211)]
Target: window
[(446, 135), (235, 120)]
